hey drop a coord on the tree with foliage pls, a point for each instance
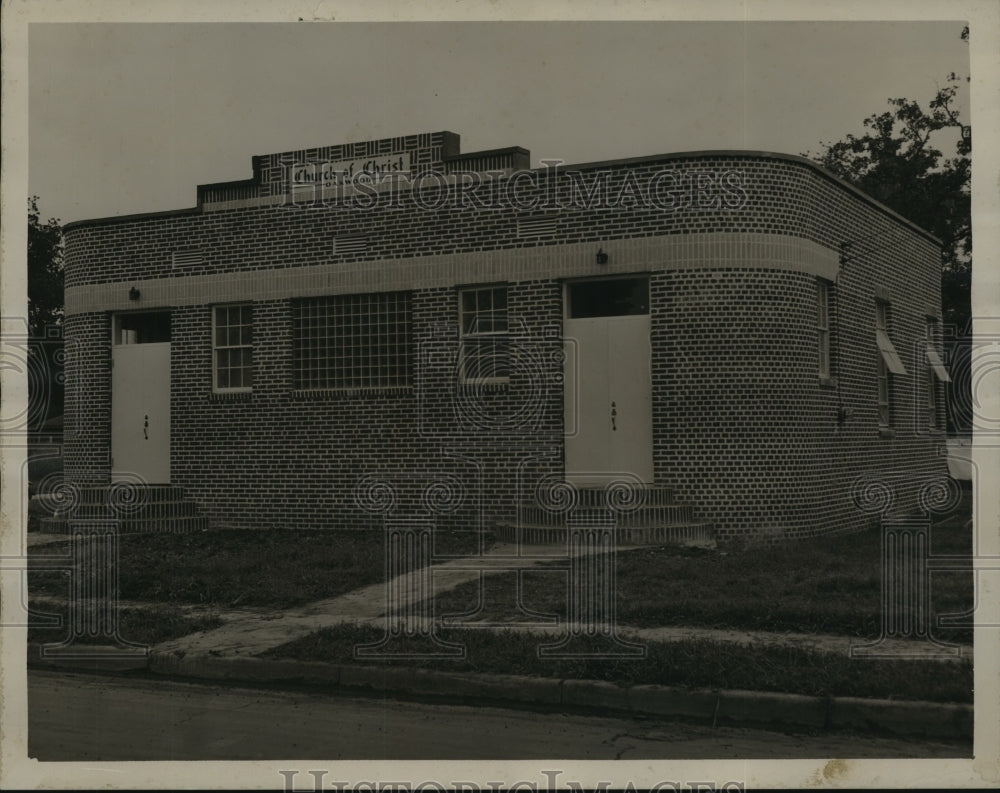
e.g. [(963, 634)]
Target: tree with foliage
[(899, 161), (45, 313), (45, 271)]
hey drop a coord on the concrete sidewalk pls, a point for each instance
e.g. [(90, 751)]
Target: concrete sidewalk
[(249, 631)]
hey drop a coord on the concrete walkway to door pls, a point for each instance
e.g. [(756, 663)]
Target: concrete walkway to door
[(252, 632)]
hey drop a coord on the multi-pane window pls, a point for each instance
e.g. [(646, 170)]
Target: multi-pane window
[(352, 341), (823, 326), (888, 363), (232, 334), (936, 373), (485, 341)]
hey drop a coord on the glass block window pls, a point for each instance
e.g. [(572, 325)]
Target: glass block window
[(232, 334), (485, 339), (352, 341)]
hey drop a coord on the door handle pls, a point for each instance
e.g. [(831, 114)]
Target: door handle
[(614, 412), (145, 428)]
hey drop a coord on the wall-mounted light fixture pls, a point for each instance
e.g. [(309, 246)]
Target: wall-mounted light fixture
[(602, 257), (133, 294)]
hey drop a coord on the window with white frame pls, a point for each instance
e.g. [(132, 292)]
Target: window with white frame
[(485, 341), (888, 363), (935, 375), (352, 341), (823, 326), (232, 334)]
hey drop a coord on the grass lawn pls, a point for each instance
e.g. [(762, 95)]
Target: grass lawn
[(139, 625), (830, 585), (243, 568), (826, 585), (694, 664)]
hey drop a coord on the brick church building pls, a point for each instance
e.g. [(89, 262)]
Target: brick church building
[(715, 344)]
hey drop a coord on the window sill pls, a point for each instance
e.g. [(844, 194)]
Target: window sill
[(828, 382), (230, 396), (886, 432), (347, 393), (484, 385)]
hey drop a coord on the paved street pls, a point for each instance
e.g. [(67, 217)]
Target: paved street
[(93, 717)]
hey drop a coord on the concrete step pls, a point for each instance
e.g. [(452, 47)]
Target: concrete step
[(166, 525), (623, 496), (153, 509), (123, 493), (133, 507), (691, 533), (643, 516)]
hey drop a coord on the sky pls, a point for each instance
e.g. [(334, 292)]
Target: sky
[(127, 118)]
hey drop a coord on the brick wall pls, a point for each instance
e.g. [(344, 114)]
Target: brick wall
[(743, 426), (285, 458), (87, 406)]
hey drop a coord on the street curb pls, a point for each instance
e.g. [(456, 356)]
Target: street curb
[(911, 718), (88, 658), (761, 708)]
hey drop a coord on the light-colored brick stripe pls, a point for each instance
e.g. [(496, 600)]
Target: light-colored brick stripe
[(674, 252)]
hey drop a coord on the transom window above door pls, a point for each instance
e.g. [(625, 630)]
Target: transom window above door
[(141, 328), (611, 297)]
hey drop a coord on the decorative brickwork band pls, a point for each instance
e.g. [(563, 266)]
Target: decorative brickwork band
[(706, 251)]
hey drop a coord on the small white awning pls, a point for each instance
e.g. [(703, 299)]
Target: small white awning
[(937, 365), (889, 354)]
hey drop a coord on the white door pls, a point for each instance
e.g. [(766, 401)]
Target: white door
[(630, 394), (608, 405), (140, 412)]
